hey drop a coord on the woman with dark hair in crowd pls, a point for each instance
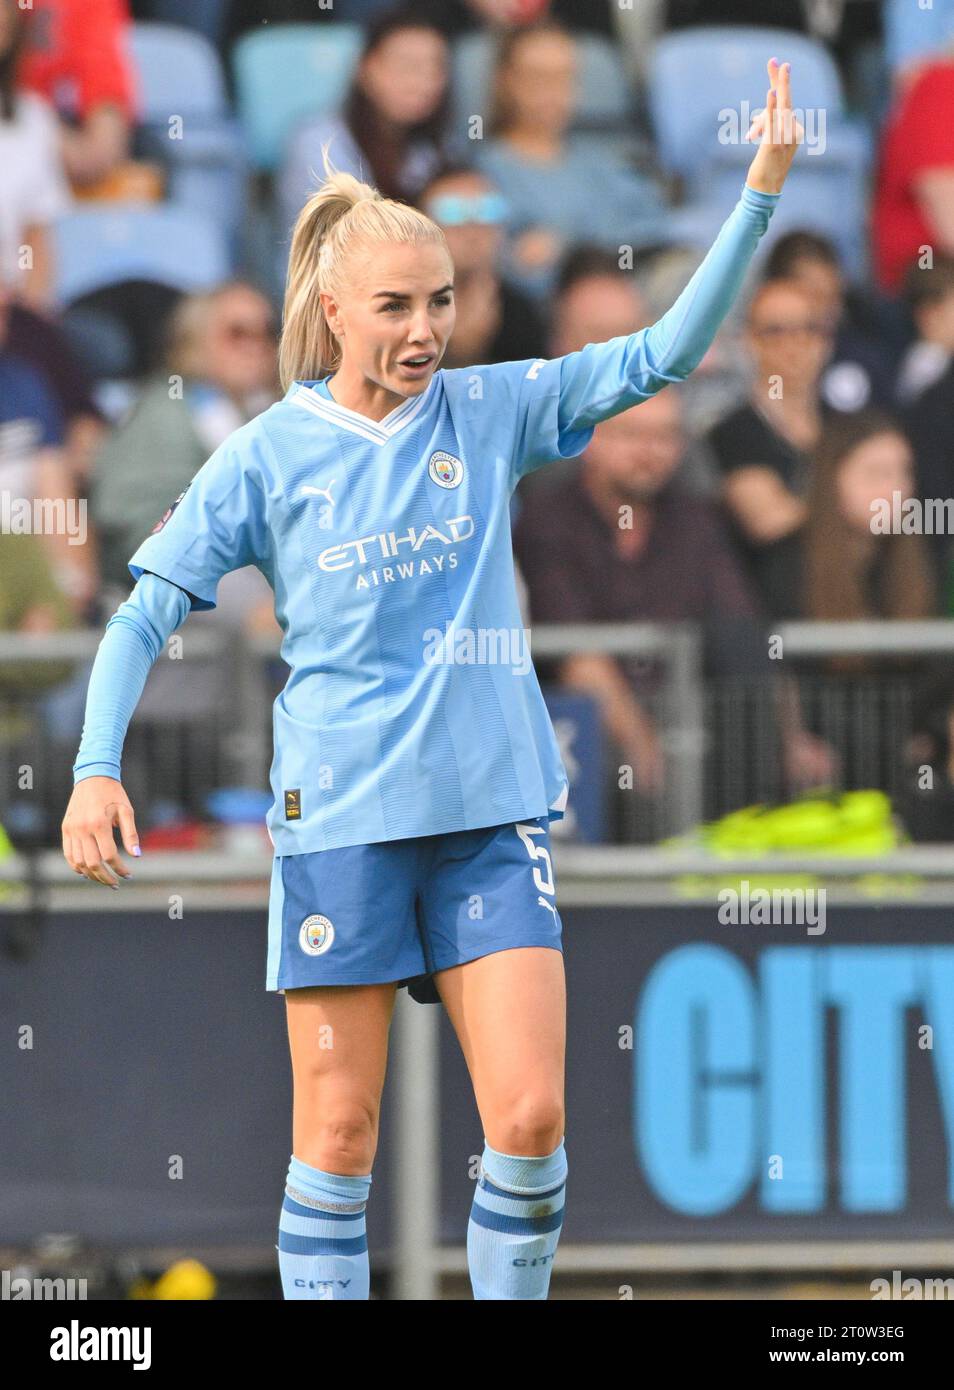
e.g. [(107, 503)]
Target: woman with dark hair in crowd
[(391, 129), (857, 564), (852, 566)]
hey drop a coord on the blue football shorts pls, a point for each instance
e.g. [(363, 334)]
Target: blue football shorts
[(402, 909)]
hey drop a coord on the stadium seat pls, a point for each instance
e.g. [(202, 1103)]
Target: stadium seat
[(180, 75), (815, 203), (699, 77), (914, 32), (102, 244), (820, 198), (824, 193), (285, 73), (604, 94), (699, 82)]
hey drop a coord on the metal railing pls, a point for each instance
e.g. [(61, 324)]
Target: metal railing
[(227, 714)]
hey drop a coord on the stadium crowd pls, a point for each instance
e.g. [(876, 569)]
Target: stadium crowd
[(545, 139)]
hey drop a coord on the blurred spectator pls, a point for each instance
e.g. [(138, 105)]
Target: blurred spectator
[(929, 295), (860, 370), (558, 192), (763, 448), (120, 328), (620, 541), (850, 570), (77, 55), (220, 372), (391, 131), (721, 380), (33, 189), (33, 468), (30, 601), (495, 323), (594, 301), (41, 343), (913, 209)]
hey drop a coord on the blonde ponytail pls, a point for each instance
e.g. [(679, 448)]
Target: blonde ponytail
[(342, 212)]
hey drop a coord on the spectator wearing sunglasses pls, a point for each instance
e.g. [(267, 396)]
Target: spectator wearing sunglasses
[(220, 369), (763, 447), (495, 322)]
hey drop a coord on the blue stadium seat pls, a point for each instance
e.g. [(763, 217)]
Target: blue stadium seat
[(698, 83), (180, 75), (818, 198), (915, 31), (101, 244), (286, 72), (699, 76), (604, 94), (827, 192)]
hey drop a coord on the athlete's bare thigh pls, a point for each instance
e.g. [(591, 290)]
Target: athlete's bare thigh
[(338, 1039)]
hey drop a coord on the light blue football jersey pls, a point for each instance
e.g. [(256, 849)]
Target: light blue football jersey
[(411, 707)]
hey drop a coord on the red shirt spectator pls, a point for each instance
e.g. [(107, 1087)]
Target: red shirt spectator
[(918, 139), (75, 55)]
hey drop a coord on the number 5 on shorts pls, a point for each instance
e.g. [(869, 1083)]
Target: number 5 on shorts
[(535, 851)]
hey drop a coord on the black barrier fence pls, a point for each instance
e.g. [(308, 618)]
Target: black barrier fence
[(726, 1085)]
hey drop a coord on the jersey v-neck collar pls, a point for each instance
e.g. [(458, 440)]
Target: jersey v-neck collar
[(315, 396)]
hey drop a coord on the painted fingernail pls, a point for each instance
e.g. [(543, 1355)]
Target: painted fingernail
[(137, 851), (773, 60)]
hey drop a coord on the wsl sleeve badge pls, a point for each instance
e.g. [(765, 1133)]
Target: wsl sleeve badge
[(445, 469), (168, 512)]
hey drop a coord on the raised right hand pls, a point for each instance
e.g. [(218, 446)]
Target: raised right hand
[(97, 804)]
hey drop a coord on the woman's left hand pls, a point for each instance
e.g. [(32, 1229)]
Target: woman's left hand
[(778, 132)]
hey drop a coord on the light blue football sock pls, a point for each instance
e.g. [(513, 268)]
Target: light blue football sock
[(515, 1223), (322, 1238)]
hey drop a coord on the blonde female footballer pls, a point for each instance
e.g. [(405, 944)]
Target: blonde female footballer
[(414, 774)]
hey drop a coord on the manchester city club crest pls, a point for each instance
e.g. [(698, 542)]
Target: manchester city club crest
[(316, 935), (445, 469)]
